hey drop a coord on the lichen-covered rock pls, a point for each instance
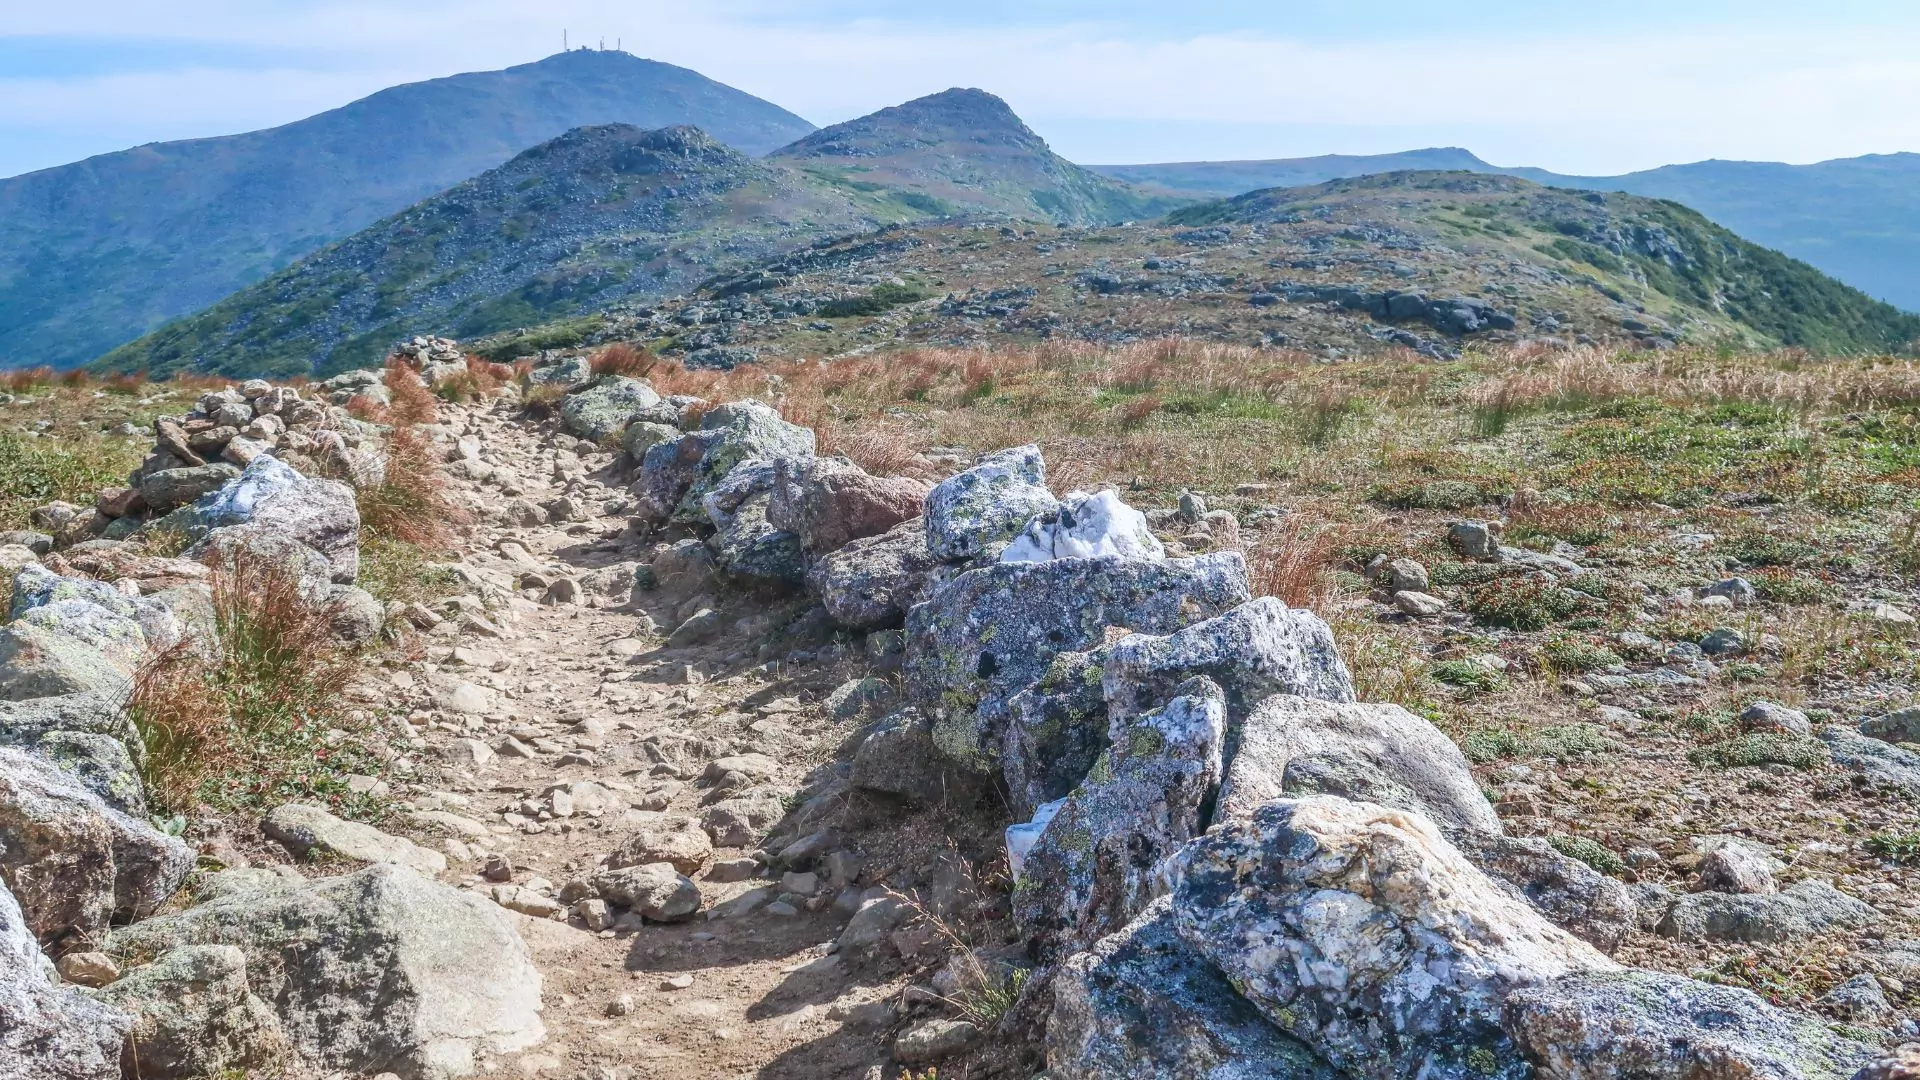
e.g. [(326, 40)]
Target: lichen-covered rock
[(976, 512), (378, 970), (1141, 1005), (194, 1015), (751, 551), (69, 647), (1880, 764), (675, 476), (561, 371), (1086, 527), (742, 820), (992, 632), (1291, 747), (1648, 1025), (830, 502), (871, 583), (36, 586), (1056, 730), (1734, 866), (1092, 869), (1253, 651), (643, 435), (356, 615), (48, 1031), (1900, 1063), (1362, 932), (1799, 911), (1595, 908), (272, 496), (100, 762), (604, 407), (74, 863), (167, 489), (684, 569)]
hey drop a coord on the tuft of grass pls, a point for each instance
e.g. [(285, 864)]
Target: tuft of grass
[(623, 359), (1571, 741), (1466, 675), (1762, 748), (1483, 745), (406, 520), (412, 402), (256, 715), (1427, 495), (1570, 654), (34, 472), (1519, 603), (1588, 851), (1902, 848), (1296, 566)]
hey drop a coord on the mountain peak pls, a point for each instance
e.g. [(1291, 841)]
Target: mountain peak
[(961, 115)]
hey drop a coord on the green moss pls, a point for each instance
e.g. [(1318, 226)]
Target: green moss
[(1762, 748), (1588, 851)]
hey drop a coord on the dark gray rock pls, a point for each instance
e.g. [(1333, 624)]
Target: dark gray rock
[(1880, 764), (378, 970), (1900, 725), (1858, 999), (1093, 867), (898, 758), (1056, 730), (1141, 1005), (1653, 1026), (1799, 911), (972, 513), (1296, 746), (990, 633), (751, 552), (168, 489)]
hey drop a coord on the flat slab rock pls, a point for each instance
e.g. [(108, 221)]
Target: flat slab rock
[(1801, 910)]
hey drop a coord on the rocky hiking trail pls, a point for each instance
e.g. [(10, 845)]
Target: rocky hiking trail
[(594, 717)]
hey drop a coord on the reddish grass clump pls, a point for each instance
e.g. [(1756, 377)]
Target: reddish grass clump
[(410, 504), (1295, 566), (621, 358), (242, 718), (412, 402)]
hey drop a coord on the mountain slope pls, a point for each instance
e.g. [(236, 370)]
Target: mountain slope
[(98, 252), (597, 214), (1857, 219), (965, 152), (602, 214)]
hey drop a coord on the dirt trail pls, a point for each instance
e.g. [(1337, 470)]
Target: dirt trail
[(584, 686)]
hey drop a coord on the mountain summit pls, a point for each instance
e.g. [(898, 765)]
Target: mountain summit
[(966, 152), (100, 251)]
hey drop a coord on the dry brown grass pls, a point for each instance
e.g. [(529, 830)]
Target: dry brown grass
[(1295, 562), (623, 359), (412, 402), (411, 505), (241, 719)]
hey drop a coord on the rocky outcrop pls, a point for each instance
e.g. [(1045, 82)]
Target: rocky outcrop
[(273, 497), (378, 970), (1799, 911), (1086, 527), (74, 863), (1141, 1005), (1362, 932), (990, 633), (600, 411), (676, 475), (870, 583), (1593, 907), (831, 502), (194, 1016), (311, 832)]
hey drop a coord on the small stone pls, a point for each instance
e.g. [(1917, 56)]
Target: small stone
[(801, 884), (594, 913), (1890, 615), (676, 982), (934, 1040), (1859, 998), (497, 869), (1418, 604), (1736, 868), (95, 969), (1765, 716), (726, 871), (781, 909), (621, 1006), (1473, 539), (1726, 641)]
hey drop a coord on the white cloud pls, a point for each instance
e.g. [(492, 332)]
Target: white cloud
[(1577, 103)]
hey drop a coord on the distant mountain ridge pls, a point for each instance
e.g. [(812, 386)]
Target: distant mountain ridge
[(98, 252), (1855, 218), (605, 213)]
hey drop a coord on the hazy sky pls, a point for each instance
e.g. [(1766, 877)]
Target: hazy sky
[(1577, 87)]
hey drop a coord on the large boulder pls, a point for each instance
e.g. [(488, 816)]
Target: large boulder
[(1086, 527), (750, 551), (1653, 1026), (1093, 868), (74, 863), (898, 758), (244, 551), (602, 409), (830, 502), (1362, 932), (69, 647), (36, 586), (194, 1016), (992, 632), (378, 970), (1292, 747), (48, 1031), (1142, 1005), (977, 512), (1254, 651), (272, 495), (870, 583), (1880, 764)]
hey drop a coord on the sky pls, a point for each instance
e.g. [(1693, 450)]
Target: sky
[(1574, 87)]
